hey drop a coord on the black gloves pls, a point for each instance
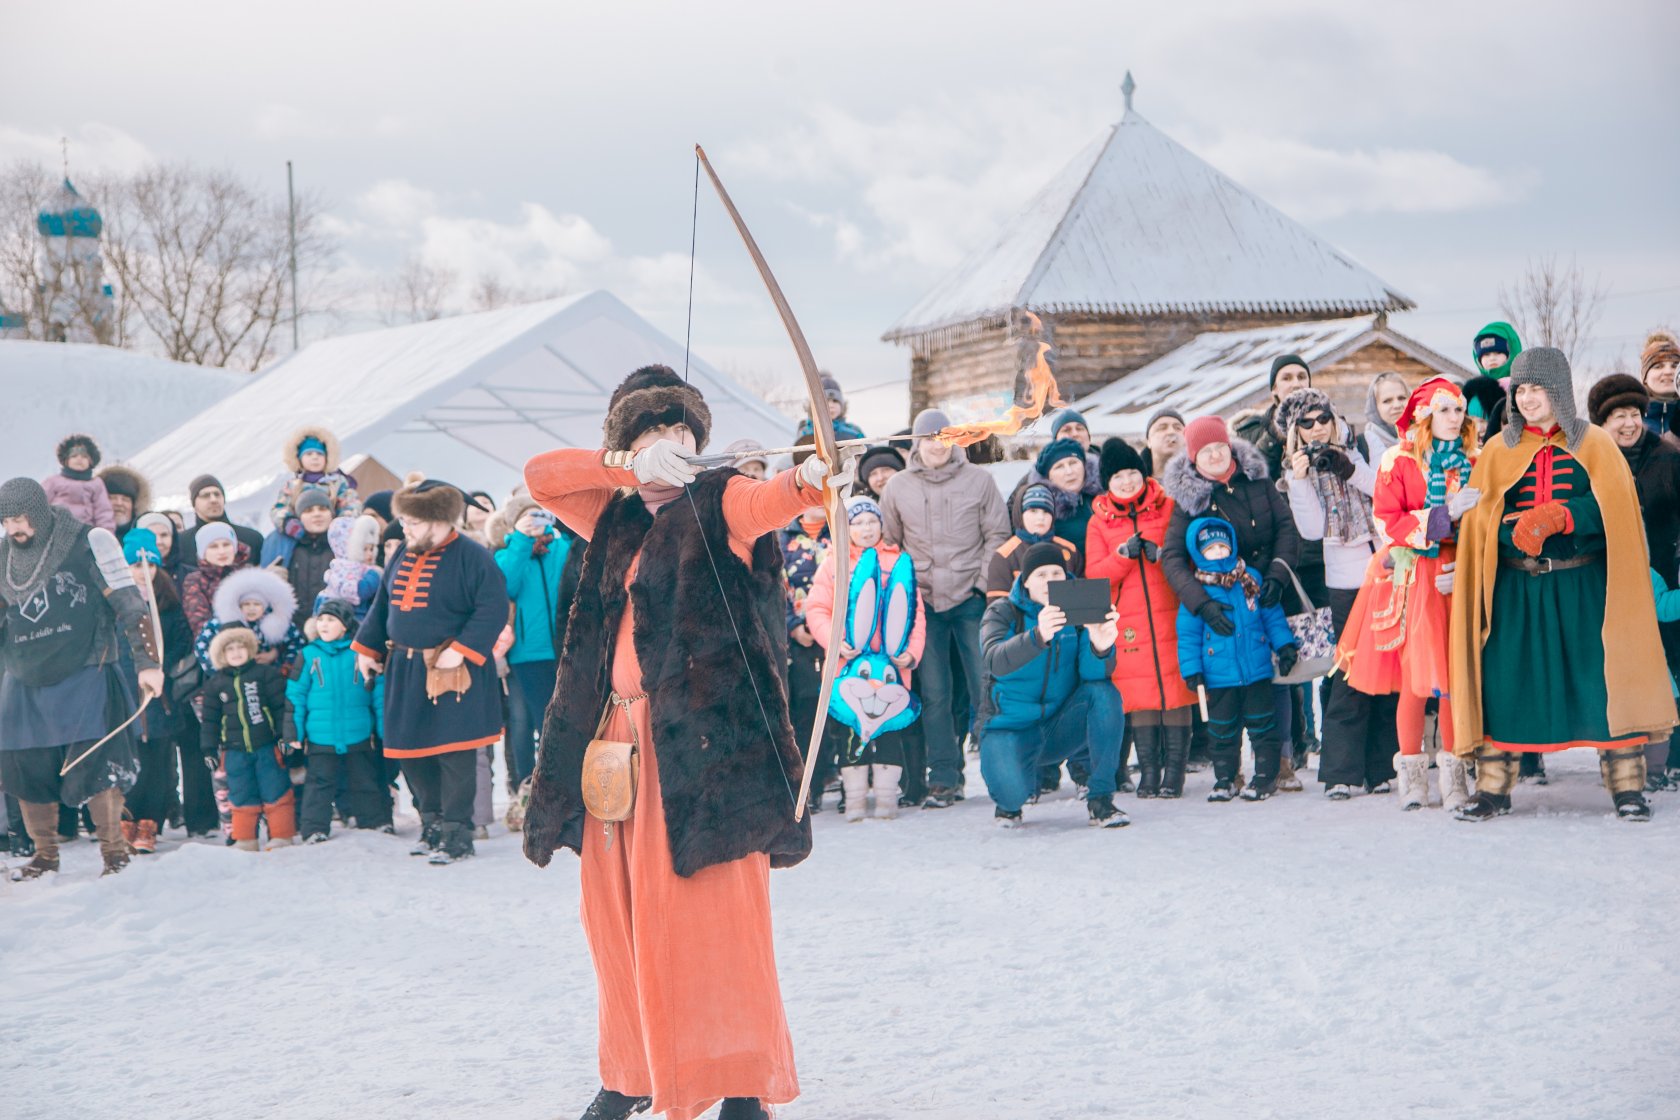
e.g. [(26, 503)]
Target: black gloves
[(1139, 547), (1193, 681), (1271, 591), (1215, 618), (1336, 461), (1286, 658)]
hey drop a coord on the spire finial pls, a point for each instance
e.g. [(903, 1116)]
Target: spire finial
[(64, 148), (1126, 88)]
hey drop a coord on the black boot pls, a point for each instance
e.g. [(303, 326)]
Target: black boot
[(67, 819), (430, 824), (1268, 758), (1484, 807), (742, 1108), (1150, 747), (455, 842), (1175, 759), (609, 1105), (1631, 806)]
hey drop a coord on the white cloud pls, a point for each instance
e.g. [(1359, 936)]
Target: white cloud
[(538, 251), (275, 120), (93, 147), (929, 184), (1314, 183)]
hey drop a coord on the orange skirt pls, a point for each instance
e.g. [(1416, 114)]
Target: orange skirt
[(690, 1007), (1396, 636)]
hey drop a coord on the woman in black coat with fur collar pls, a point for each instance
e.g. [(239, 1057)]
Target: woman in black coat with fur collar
[(1205, 482)]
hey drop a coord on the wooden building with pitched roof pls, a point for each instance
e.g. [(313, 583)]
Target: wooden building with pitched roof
[(1136, 249)]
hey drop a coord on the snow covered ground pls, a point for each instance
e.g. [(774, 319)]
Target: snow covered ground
[(1292, 959)]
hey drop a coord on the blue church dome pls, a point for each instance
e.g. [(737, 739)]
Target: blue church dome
[(69, 216)]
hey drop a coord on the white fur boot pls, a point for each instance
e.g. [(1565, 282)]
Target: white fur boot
[(1414, 781), (855, 779), (886, 791), (1455, 790)]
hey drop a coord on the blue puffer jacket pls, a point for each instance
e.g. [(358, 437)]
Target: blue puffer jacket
[(533, 584), (1245, 657), (1027, 681), (327, 704)]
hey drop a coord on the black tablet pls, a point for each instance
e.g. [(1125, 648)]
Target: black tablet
[(1084, 601)]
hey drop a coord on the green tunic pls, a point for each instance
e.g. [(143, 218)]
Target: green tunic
[(1543, 665)]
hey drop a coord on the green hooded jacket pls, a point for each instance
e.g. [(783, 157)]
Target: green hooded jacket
[(1512, 342)]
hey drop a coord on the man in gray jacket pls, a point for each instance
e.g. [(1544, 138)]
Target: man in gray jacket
[(949, 516)]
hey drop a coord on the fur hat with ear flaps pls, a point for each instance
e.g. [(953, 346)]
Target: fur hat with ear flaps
[(649, 398), (232, 636), (429, 499), (122, 479), (70, 443), (1546, 367)]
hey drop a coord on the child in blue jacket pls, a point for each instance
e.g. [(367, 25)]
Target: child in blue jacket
[(334, 715), (1236, 669)]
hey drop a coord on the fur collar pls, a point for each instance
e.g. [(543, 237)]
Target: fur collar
[(1194, 493)]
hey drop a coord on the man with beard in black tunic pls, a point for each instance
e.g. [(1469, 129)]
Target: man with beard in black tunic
[(70, 608)]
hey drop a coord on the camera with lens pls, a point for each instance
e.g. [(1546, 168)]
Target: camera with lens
[(1320, 454)]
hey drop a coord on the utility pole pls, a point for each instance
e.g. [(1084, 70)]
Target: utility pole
[(291, 219)]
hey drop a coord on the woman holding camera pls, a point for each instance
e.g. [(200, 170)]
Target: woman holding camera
[(1330, 486)]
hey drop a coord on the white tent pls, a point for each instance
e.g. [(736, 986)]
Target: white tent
[(467, 399), (123, 399)]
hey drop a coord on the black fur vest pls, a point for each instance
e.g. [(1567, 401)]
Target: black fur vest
[(727, 787)]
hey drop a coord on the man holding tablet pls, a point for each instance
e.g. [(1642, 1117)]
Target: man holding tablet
[(1047, 655)]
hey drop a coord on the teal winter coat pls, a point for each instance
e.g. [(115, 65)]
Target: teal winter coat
[(328, 704), (1027, 680), (533, 585)]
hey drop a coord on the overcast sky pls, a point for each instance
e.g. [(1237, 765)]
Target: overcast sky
[(871, 144)]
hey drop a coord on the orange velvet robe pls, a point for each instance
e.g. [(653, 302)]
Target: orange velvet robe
[(690, 1007)]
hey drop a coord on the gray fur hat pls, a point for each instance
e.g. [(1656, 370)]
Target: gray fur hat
[(1546, 367)]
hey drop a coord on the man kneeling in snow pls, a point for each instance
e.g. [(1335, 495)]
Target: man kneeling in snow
[(1048, 693)]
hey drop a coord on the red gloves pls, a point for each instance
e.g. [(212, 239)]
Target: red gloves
[(1537, 523)]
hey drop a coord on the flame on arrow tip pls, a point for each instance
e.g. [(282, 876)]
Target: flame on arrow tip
[(1042, 393)]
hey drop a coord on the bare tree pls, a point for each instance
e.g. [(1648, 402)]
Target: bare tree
[(52, 286), (1554, 304), (490, 292), (202, 257), (416, 292)]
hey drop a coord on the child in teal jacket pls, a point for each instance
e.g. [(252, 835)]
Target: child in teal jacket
[(335, 716)]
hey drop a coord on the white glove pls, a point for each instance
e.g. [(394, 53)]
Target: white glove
[(664, 461), (1444, 581), (1459, 504), (812, 472)]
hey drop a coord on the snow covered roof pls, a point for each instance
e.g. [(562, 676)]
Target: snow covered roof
[(1219, 370), (1137, 225), (467, 399), (121, 398)]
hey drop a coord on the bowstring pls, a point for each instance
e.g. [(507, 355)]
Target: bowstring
[(717, 577)]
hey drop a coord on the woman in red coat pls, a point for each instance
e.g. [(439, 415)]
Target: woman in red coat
[(1396, 636), (1123, 545)]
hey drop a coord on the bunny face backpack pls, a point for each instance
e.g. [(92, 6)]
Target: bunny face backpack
[(868, 695)]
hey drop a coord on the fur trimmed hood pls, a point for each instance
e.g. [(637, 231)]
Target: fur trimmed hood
[(289, 452), (1192, 492), (77, 439), (271, 588), (232, 636), (119, 478)]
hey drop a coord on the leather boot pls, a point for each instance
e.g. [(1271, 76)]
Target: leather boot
[(742, 1108), (1151, 746), (40, 821), (106, 809), (145, 837), (1175, 760), (609, 1105)]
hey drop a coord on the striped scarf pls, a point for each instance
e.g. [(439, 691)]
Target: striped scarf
[(1448, 464)]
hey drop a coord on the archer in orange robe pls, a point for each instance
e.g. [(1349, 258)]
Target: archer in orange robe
[(690, 1008)]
